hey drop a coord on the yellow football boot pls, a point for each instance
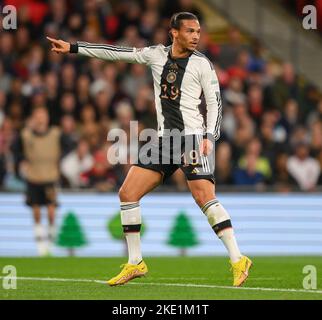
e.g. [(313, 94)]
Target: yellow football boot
[(240, 270), (129, 272)]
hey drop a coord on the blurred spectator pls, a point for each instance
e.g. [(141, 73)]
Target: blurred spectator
[(68, 77), (255, 101), (234, 93), (3, 100), (69, 135), (316, 138), (230, 51), (285, 87), (68, 104), (7, 52), (144, 107), (303, 168), (101, 176), (182, 5), (5, 79), (262, 164), (282, 178), (76, 163), (82, 90), (272, 144), (315, 115), (223, 163), (137, 78), (57, 15), (248, 175), (15, 114), (148, 23), (290, 116)]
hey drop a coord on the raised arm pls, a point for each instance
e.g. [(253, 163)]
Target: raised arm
[(102, 51)]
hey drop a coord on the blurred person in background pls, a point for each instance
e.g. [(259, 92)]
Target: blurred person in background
[(75, 163), (285, 87), (304, 169), (290, 116), (5, 80), (8, 179), (262, 164), (3, 101), (255, 101), (249, 174), (319, 158), (69, 134), (230, 50), (37, 152), (316, 138), (101, 175), (316, 114), (224, 163), (283, 180)]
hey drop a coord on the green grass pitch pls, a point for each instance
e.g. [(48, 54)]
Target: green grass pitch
[(188, 278)]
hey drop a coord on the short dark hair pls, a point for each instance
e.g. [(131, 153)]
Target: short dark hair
[(176, 19)]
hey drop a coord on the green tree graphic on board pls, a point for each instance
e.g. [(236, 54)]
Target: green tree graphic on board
[(71, 235), (182, 234)]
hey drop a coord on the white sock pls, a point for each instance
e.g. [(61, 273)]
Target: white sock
[(40, 239), (219, 220), (228, 238), (51, 233), (134, 247), (131, 222)]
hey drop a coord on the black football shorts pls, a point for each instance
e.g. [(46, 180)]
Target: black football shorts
[(41, 194), (174, 152)]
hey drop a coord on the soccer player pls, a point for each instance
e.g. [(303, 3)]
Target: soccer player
[(180, 75)]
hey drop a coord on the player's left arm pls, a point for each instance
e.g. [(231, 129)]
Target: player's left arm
[(211, 91)]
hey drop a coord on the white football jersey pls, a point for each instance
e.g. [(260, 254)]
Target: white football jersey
[(178, 85)]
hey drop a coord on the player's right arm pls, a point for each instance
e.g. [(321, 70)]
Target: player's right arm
[(102, 51)]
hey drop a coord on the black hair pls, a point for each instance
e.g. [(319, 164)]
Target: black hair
[(175, 21)]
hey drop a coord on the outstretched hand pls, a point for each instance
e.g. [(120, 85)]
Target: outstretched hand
[(59, 46)]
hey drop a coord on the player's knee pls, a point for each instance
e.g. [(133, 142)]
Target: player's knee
[(127, 195), (200, 197), (123, 194)]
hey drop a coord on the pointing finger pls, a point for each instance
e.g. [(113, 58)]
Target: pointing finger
[(53, 40)]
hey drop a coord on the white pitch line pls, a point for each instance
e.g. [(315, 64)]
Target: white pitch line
[(266, 279), (190, 285), (199, 278), (177, 278), (54, 279)]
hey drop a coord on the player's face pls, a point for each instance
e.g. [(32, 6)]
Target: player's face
[(188, 35)]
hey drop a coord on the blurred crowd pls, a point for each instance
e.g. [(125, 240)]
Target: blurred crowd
[(272, 119)]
